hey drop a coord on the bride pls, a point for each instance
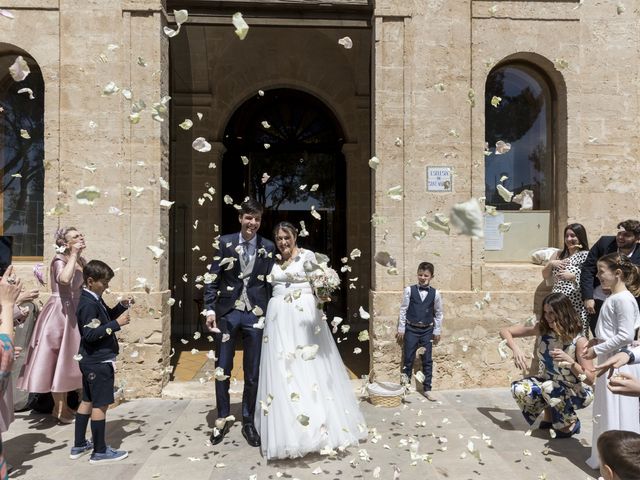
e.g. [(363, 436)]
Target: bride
[(305, 400)]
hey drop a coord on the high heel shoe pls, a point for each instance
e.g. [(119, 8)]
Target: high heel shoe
[(62, 419), (571, 433)]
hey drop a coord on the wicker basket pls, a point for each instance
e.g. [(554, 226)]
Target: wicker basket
[(385, 394)]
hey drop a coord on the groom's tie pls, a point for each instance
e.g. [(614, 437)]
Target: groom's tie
[(245, 252)]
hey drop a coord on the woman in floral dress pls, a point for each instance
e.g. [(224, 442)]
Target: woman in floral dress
[(563, 385), (564, 269)]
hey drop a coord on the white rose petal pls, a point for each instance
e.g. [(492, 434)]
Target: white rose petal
[(495, 101), (19, 70), (166, 203), (7, 14), (395, 193), (219, 375), (374, 162), (504, 193), (110, 88), (303, 420), (364, 314), (77, 357), (180, 16), (502, 147), (201, 145), (186, 124), (504, 227), (308, 352), (157, 251), (241, 26), (28, 91), (24, 134), (170, 32), (87, 195), (346, 42), (467, 218)]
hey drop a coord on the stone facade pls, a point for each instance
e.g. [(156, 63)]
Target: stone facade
[(424, 43), (381, 91)]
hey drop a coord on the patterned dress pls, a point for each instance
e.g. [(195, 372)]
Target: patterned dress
[(556, 387), (6, 362), (571, 288)]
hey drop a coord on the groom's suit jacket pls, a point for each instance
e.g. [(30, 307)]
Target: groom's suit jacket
[(221, 294)]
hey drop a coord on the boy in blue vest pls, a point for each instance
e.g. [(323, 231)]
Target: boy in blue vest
[(419, 325)]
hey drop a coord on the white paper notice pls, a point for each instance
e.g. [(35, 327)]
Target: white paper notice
[(493, 238)]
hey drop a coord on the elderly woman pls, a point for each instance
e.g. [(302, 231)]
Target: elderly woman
[(49, 365), (564, 269), (562, 387)]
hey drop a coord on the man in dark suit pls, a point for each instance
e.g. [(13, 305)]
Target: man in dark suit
[(625, 242), (235, 299)]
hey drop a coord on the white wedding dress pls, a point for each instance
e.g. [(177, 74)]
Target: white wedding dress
[(305, 403)]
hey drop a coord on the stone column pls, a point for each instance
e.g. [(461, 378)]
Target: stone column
[(389, 125)]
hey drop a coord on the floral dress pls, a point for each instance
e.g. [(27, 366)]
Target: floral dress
[(571, 288), (556, 387), (6, 362)]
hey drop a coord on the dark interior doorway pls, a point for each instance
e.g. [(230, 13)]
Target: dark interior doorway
[(284, 149)]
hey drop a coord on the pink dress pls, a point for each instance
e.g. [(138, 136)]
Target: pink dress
[(49, 366)]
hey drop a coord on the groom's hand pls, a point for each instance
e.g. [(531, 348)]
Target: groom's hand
[(211, 322)]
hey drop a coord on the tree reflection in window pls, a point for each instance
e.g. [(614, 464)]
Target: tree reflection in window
[(297, 146), (22, 155), (523, 118)]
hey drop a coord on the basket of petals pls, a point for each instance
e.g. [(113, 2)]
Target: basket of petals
[(386, 394)]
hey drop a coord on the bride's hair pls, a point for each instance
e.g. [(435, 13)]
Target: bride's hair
[(287, 227)]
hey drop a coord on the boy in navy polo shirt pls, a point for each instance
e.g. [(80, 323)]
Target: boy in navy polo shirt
[(98, 324), (420, 325)]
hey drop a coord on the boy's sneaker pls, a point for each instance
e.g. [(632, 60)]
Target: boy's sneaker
[(77, 452), (109, 455)]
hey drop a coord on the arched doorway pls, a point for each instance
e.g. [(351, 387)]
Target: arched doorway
[(284, 148)]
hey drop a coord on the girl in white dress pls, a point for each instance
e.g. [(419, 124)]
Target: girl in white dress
[(305, 400), (617, 322)]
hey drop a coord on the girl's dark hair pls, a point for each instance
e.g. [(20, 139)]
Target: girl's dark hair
[(287, 227), (620, 450), (568, 324), (97, 270), (580, 232), (630, 272)]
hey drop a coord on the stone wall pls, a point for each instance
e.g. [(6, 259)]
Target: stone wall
[(589, 51), (83, 126)]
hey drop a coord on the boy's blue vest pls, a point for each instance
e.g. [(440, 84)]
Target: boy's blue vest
[(421, 312)]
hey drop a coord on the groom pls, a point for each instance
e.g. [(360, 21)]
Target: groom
[(234, 301)]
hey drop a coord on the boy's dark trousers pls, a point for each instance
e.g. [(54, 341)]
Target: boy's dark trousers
[(415, 337)]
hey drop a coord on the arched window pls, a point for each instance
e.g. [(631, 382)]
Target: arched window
[(21, 154), (519, 153)]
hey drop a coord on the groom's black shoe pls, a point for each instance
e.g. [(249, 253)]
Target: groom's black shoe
[(250, 434), (218, 435)]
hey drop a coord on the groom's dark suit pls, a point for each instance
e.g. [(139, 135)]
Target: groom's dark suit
[(234, 295)]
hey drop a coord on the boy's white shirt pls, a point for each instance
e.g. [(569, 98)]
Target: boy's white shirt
[(438, 314)]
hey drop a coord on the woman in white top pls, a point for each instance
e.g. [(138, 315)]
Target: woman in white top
[(618, 319)]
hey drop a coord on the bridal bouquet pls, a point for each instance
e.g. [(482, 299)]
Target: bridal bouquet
[(323, 279)]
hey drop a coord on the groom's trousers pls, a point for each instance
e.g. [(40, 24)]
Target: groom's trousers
[(238, 322)]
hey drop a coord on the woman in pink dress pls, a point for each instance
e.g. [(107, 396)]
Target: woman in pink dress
[(50, 366)]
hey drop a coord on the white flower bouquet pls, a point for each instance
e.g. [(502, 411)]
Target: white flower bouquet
[(323, 279)]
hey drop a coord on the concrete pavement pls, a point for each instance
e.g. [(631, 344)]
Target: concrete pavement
[(168, 439)]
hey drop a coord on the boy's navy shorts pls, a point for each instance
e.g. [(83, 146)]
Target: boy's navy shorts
[(97, 383)]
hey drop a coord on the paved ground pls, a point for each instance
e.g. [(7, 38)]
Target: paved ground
[(168, 439)]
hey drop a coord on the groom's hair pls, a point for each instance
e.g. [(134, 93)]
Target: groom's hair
[(252, 207)]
